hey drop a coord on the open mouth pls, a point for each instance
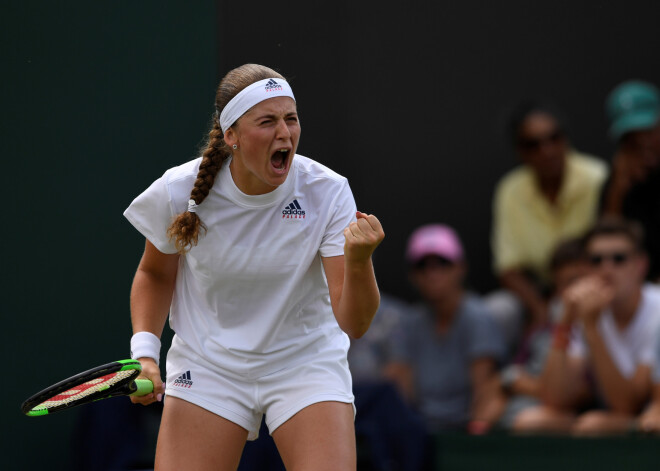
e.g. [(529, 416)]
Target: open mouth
[(280, 159)]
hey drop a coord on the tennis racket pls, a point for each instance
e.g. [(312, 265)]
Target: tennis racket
[(110, 380)]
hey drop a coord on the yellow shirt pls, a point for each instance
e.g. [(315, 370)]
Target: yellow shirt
[(527, 227)]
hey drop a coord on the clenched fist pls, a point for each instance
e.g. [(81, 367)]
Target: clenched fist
[(362, 237)]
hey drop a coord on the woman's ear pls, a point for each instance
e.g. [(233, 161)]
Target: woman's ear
[(230, 137)]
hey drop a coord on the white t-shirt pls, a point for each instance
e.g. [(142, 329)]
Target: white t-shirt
[(252, 297), (633, 346)]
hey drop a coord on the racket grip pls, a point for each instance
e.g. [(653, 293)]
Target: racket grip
[(144, 386)]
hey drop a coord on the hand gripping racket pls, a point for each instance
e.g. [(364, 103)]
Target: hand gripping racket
[(110, 380)]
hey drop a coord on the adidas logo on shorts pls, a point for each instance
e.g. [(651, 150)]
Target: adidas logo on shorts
[(184, 381), (293, 210)]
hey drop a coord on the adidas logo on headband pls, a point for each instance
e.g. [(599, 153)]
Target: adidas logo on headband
[(272, 86)]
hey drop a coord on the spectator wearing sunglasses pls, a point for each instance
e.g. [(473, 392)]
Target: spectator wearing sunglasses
[(551, 196), (633, 189), (597, 377), (450, 346)]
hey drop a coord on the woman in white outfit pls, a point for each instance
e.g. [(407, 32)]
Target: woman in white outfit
[(264, 265)]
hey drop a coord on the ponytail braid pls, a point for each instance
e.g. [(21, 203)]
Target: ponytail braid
[(186, 227)]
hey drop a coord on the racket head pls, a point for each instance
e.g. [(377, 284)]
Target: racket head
[(109, 380)]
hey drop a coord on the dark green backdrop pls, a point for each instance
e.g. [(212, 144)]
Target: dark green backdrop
[(98, 99)]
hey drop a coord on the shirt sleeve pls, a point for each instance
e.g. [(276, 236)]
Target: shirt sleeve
[(151, 213), (343, 213)]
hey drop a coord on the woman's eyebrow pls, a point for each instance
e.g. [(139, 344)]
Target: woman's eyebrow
[(274, 116)]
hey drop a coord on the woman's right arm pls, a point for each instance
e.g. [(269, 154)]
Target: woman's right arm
[(151, 296)]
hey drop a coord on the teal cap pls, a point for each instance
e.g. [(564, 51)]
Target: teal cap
[(632, 106)]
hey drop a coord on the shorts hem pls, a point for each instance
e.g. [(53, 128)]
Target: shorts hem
[(241, 421), (293, 410)]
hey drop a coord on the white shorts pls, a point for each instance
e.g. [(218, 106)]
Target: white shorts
[(278, 395)]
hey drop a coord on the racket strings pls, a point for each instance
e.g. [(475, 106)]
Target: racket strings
[(83, 390)]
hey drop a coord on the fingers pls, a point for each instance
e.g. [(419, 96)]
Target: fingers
[(370, 219), (155, 396), (362, 237), (601, 290), (366, 230), (365, 225), (588, 288), (150, 371), (361, 227), (588, 297)]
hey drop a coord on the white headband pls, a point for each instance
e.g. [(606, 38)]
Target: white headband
[(250, 96)]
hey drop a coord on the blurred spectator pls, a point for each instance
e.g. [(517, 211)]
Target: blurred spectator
[(633, 189), (650, 419), (552, 196), (597, 376), (370, 355), (518, 386), (390, 435), (451, 346)]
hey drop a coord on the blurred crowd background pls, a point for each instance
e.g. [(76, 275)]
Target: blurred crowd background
[(508, 149)]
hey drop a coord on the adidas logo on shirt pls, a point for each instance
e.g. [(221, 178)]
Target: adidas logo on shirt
[(273, 86), (293, 210), (184, 380)]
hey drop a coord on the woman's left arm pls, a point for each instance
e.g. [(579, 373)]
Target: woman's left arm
[(351, 279)]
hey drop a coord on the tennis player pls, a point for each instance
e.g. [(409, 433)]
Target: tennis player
[(264, 265)]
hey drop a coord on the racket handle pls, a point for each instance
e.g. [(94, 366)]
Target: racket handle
[(144, 386)]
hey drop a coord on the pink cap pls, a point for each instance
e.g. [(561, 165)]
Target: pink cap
[(434, 239)]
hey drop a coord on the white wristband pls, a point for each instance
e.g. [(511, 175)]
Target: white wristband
[(145, 344)]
